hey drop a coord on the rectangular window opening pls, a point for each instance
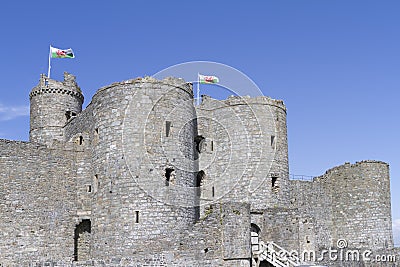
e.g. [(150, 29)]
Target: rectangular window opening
[(169, 176), (136, 216), (89, 188), (167, 128), (213, 192), (212, 145), (272, 140), (273, 181)]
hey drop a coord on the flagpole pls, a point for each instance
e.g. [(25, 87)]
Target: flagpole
[(48, 72), (198, 88)]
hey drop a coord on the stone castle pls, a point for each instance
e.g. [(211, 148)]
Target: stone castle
[(143, 177)]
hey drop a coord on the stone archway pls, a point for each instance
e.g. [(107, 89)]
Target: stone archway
[(82, 240)]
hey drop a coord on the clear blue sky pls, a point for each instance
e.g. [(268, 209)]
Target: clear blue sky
[(335, 63)]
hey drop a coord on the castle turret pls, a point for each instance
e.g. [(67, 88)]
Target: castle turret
[(53, 104), (244, 154)]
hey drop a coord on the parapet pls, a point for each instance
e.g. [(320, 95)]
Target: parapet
[(348, 165), (211, 103), (170, 81), (48, 86)]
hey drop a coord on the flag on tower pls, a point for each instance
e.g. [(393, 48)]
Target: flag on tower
[(208, 79), (61, 53)]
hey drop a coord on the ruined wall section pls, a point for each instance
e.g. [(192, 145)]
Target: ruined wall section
[(37, 203), (360, 201), (246, 157)]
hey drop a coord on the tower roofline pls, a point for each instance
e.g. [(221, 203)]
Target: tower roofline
[(67, 86), (210, 103)]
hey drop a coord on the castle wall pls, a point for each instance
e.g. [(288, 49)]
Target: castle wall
[(37, 203), (315, 223), (80, 136)]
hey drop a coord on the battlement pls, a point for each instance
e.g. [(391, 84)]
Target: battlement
[(211, 103), (50, 86), (170, 81)]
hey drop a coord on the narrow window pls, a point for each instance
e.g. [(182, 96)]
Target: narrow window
[(95, 183), (96, 130), (167, 128), (80, 140), (200, 143), (213, 191), (199, 181), (89, 188), (169, 176), (68, 115), (212, 145), (272, 140), (273, 181), (136, 216)]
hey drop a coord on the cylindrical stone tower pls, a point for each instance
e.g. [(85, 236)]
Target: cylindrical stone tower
[(360, 199), (143, 165), (53, 104), (244, 154)]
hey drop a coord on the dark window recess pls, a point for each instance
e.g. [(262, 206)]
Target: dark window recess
[(199, 178), (273, 180), (212, 145), (80, 140), (168, 172), (200, 142), (69, 115), (213, 191), (199, 181), (96, 130), (89, 188), (136, 216), (272, 140), (168, 126)]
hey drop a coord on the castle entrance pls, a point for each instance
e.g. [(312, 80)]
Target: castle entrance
[(82, 241)]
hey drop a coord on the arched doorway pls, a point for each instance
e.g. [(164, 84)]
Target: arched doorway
[(255, 237), (82, 240)]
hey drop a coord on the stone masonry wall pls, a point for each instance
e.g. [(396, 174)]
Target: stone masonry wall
[(37, 203)]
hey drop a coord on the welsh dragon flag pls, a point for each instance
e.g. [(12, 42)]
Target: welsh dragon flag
[(61, 53), (208, 79)]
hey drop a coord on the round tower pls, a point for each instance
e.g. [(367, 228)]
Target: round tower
[(52, 105), (361, 210), (245, 150), (143, 165)]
